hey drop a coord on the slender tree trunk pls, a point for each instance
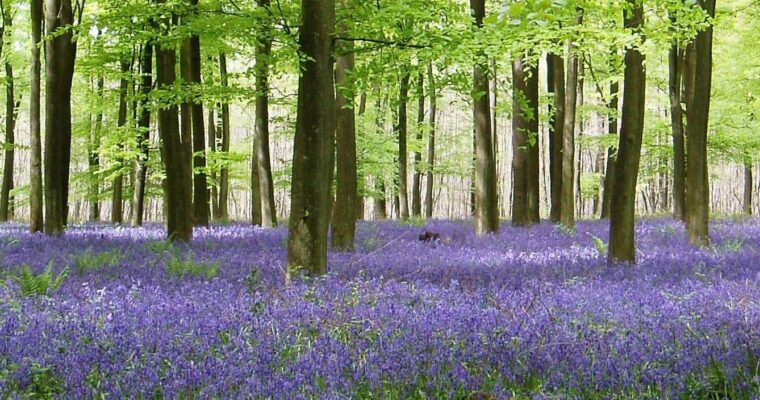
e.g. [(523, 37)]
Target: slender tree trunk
[(314, 142), (263, 163), (556, 82), (403, 154), (117, 213), (417, 181), (11, 113), (567, 201), (346, 195), (61, 53), (35, 131), (143, 136), (224, 174), (361, 179), (525, 204), (212, 135), (431, 144), (255, 188), (622, 246), (486, 196), (379, 201), (698, 111), (675, 61), (200, 181), (612, 129), (94, 157), (747, 203), (177, 194)]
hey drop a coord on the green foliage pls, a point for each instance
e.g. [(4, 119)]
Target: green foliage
[(180, 267), (90, 261), (31, 284), (600, 245)]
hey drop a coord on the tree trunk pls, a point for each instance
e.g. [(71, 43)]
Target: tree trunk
[(567, 200), (59, 67), (314, 142), (200, 181), (346, 195), (698, 111), (255, 186), (622, 214), (486, 196), (403, 154), (263, 163), (177, 190), (417, 181), (612, 129), (117, 213), (379, 201), (361, 179), (224, 173), (143, 136), (747, 203), (675, 63), (431, 144), (525, 180), (556, 82), (11, 113), (35, 131), (94, 157)]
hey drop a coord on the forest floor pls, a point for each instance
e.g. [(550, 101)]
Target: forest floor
[(527, 313)]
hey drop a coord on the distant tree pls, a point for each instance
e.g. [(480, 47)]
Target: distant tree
[(11, 114), (263, 163), (556, 84), (143, 134)]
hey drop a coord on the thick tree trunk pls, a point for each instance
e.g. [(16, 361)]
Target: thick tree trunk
[(417, 180), (612, 129), (177, 186), (698, 112), (486, 196), (556, 83), (35, 130), (567, 200), (11, 113), (675, 63), (346, 195), (314, 142), (117, 200), (263, 162), (143, 136), (525, 204), (224, 173), (622, 216), (431, 144), (747, 203), (403, 154), (94, 158), (59, 67)]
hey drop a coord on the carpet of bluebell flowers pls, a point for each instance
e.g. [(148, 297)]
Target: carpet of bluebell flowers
[(528, 313)]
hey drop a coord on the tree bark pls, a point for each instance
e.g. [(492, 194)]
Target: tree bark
[(567, 200), (94, 156), (486, 196), (612, 129), (263, 162), (431, 144), (525, 180), (675, 63), (11, 113), (224, 173), (346, 195), (622, 215), (177, 187), (403, 153), (143, 136), (212, 139), (117, 200), (698, 111), (36, 223), (379, 202), (417, 180), (59, 67), (556, 82), (314, 142), (747, 203)]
